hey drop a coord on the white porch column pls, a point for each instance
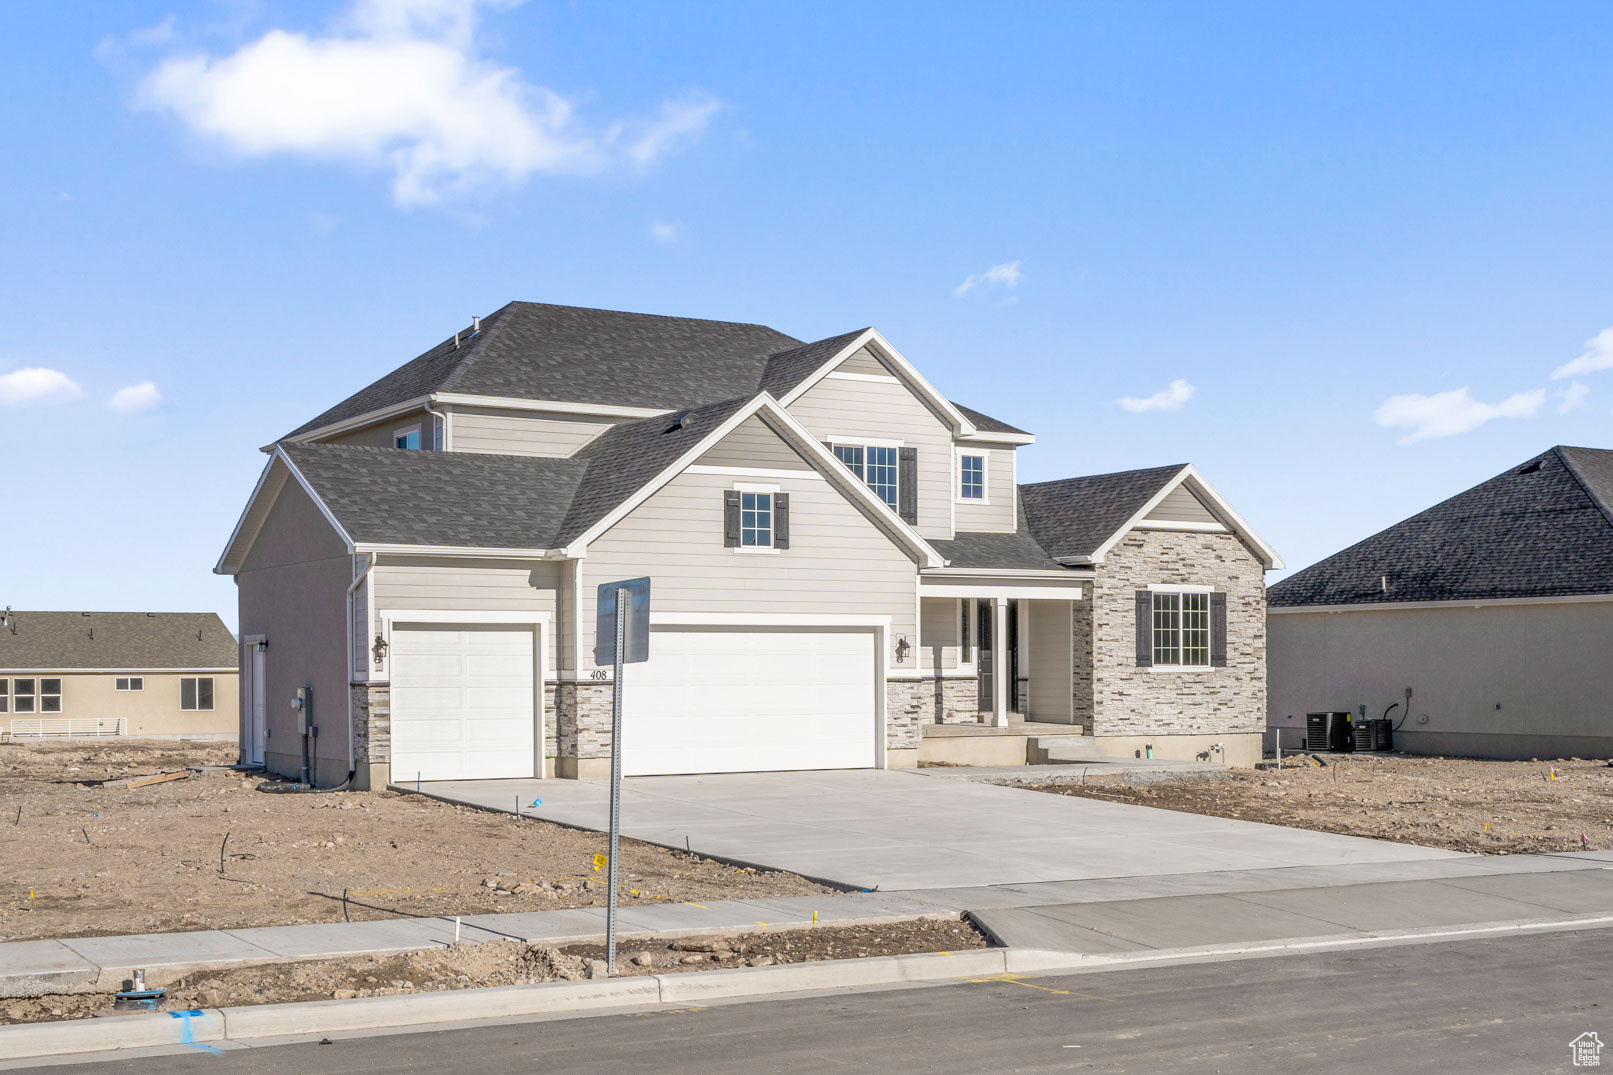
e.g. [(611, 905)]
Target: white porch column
[(1001, 664)]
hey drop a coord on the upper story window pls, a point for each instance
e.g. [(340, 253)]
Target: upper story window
[(756, 520), (407, 438), (971, 477), (1181, 629), (130, 683), (196, 692), (877, 465)]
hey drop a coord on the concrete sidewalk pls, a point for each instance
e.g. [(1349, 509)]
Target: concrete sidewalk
[(1140, 912), (907, 831), (1234, 918)]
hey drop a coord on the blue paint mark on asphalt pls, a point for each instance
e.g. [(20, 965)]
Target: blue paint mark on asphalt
[(187, 1034)]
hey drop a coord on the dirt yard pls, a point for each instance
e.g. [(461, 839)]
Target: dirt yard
[(464, 966), (1463, 804), (86, 856)]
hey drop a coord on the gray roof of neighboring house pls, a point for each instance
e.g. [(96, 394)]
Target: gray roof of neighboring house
[(143, 641), (533, 350), (386, 496), (1070, 518), (1540, 529)]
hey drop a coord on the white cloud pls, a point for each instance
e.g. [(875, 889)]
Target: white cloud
[(1007, 274), (1598, 356), (33, 384), (1445, 414), (399, 85), (664, 231), (1572, 397), (1170, 398), (135, 397), (681, 121)]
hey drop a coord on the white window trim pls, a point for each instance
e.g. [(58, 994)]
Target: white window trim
[(866, 443), (33, 696), (772, 514), (129, 686), (404, 431), (985, 477), (198, 707), (1209, 628)]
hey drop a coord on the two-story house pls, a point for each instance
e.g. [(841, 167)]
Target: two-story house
[(845, 572)]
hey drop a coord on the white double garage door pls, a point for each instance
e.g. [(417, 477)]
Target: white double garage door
[(467, 701)]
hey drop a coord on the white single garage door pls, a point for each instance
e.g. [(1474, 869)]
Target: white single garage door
[(463, 701), (748, 699)]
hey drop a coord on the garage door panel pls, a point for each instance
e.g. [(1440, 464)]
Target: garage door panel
[(464, 703), (752, 699)]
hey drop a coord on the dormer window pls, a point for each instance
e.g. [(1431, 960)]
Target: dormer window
[(407, 439)]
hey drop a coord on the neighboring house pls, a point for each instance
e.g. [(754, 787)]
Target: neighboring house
[(157, 675), (845, 572), (1482, 626)]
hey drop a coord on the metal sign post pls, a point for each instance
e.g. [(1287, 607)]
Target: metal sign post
[(615, 774), (623, 637)]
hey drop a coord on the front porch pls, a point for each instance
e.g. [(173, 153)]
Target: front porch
[(1017, 742)]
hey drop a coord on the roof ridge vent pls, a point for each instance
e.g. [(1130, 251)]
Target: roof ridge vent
[(681, 420)]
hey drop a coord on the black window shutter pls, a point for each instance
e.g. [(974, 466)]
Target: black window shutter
[(907, 484), (781, 520), (730, 518), (1145, 628), (1218, 630)]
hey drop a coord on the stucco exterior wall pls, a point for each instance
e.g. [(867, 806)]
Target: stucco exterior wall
[(1124, 699), (1526, 680), (153, 711)]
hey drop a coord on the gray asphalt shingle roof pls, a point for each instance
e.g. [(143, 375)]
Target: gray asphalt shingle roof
[(144, 641), (387, 496), (532, 350), (1540, 529), (985, 422), (1071, 517)]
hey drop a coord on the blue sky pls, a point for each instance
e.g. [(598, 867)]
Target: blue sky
[(1333, 257)]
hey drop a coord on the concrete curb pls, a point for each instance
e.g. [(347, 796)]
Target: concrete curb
[(34, 1040)]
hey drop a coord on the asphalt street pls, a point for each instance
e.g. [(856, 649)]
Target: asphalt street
[(1495, 1006)]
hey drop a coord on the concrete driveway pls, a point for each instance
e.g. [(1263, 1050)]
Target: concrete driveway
[(899, 830)]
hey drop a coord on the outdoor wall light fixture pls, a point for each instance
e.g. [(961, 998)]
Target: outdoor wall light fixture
[(379, 649), (901, 649)]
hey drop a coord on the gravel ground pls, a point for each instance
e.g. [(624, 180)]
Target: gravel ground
[(1463, 804), (86, 856), (465, 966)]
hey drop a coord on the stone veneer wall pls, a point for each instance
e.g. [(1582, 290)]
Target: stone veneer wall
[(933, 700), (1124, 699), (582, 719), (372, 722), (1081, 668)]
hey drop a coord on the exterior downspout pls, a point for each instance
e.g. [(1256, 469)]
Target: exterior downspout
[(442, 418), (352, 753)]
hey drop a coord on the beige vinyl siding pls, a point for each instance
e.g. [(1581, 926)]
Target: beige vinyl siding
[(996, 514), (291, 589), (754, 444), (840, 409), (1181, 506), (517, 432), (938, 632), (379, 434), (1050, 655), (838, 562), (363, 637), (863, 361), (470, 585)]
